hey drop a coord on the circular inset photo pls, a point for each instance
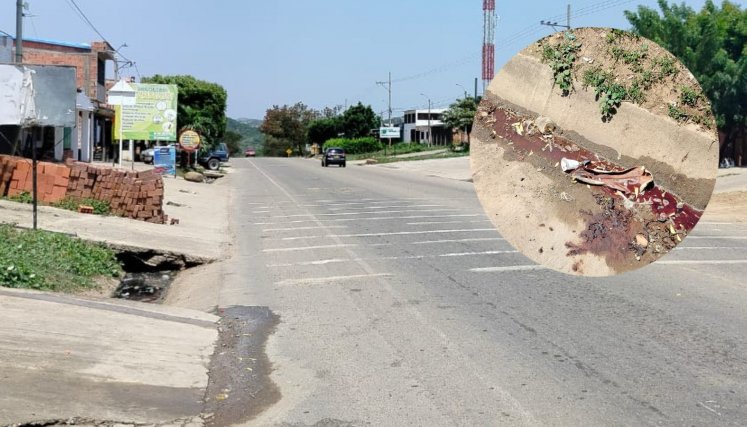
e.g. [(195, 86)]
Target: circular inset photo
[(161, 105), (594, 151)]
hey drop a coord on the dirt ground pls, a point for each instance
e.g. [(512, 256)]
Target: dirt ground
[(613, 210)]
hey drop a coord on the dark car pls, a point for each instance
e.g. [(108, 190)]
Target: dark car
[(212, 159), (333, 156)]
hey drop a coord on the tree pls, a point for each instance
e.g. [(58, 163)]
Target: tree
[(460, 115), (358, 120), (201, 105), (287, 126), (712, 44), (320, 130), (232, 140)]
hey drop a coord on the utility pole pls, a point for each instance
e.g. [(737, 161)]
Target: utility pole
[(429, 118), (388, 86), (567, 26), (19, 31)]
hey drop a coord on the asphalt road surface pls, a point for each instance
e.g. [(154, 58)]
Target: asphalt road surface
[(399, 304)]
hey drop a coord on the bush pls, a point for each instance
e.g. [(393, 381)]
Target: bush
[(355, 146)]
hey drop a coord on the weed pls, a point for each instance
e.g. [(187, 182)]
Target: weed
[(561, 59), (100, 207), (635, 93), (666, 65), (677, 114), (611, 97), (689, 96), (23, 197)]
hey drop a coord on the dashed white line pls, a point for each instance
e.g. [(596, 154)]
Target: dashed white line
[(507, 268), (388, 258), (376, 218), (307, 248), (447, 222), (701, 261), (404, 233), (718, 237), (323, 280), (476, 239), (303, 228)]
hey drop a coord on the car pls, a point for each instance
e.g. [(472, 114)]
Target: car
[(250, 152), (333, 156), (147, 156), (212, 159)]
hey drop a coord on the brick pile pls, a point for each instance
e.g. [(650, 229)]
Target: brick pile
[(137, 195), (51, 179)]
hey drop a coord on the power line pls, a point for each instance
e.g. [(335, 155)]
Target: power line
[(83, 16)]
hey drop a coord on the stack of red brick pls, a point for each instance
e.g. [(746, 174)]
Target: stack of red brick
[(137, 195), (51, 179)]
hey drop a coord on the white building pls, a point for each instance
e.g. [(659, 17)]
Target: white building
[(417, 124)]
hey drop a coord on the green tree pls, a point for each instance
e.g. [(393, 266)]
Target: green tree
[(233, 142), (201, 105), (712, 44), (286, 127), (460, 115), (358, 120), (321, 130)]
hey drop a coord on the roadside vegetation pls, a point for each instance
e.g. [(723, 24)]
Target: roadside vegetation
[(51, 261), (100, 207)]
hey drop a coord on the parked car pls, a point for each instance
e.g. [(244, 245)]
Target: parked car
[(147, 156), (250, 152), (333, 156), (212, 159)]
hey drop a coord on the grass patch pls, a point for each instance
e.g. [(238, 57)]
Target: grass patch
[(37, 259), (396, 149), (425, 156), (100, 207)]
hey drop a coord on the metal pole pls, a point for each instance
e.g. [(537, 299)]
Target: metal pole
[(430, 137), (568, 16), (19, 32), (121, 114), (33, 179), (475, 89), (390, 100)]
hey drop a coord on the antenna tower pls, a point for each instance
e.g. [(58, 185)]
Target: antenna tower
[(488, 46)]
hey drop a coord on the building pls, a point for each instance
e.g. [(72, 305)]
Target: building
[(92, 137), (425, 126)]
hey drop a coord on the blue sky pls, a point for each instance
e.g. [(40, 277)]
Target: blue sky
[(323, 52)]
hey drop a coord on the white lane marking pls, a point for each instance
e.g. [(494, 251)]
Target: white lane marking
[(404, 233), (681, 248), (447, 222), (301, 237), (507, 268), (718, 237), (702, 261), (376, 218), (336, 208), (361, 213), (388, 258), (306, 248), (323, 280), (476, 239), (303, 228)]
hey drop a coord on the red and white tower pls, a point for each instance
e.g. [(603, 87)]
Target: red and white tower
[(488, 38)]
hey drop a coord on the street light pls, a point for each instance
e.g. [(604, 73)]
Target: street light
[(465, 90), (429, 117)]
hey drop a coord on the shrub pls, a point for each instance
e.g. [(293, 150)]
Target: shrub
[(355, 146)]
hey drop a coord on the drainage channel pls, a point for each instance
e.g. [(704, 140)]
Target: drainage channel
[(149, 273)]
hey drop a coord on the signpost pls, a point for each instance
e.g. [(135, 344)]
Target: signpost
[(289, 152), (164, 160), (121, 94), (189, 141), (389, 132), (152, 116)]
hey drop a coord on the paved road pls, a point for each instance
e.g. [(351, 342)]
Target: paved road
[(400, 304)]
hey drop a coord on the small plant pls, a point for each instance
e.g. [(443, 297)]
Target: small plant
[(677, 114), (635, 93), (23, 197), (666, 66), (610, 99), (689, 96), (561, 59), (100, 207)]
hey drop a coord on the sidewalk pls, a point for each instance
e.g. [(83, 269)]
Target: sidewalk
[(202, 211)]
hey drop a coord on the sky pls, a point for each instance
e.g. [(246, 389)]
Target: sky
[(323, 53)]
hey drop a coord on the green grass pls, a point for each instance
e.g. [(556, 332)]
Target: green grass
[(425, 156), (394, 150), (52, 261), (100, 207)]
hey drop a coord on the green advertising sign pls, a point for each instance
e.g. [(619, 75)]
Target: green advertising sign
[(152, 117)]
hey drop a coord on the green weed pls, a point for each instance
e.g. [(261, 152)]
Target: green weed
[(561, 58)]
